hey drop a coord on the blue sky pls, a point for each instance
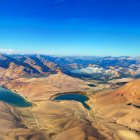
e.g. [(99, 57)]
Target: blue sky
[(70, 27)]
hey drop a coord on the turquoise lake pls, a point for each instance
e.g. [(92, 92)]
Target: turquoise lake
[(12, 98), (74, 96)]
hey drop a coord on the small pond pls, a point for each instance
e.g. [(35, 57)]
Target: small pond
[(73, 96), (91, 85)]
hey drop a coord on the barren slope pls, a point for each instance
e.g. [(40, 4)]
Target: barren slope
[(109, 119), (121, 106)]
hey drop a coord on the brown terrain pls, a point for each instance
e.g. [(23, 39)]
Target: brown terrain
[(47, 119), (114, 113), (121, 107)]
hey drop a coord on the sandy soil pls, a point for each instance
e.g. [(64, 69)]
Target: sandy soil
[(66, 120)]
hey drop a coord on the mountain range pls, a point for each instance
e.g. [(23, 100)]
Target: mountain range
[(99, 68)]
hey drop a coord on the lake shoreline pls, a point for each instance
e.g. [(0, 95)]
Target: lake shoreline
[(18, 95), (58, 94), (72, 96)]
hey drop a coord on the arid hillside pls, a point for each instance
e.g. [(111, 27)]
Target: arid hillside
[(121, 106), (43, 88), (13, 67), (112, 115), (46, 120)]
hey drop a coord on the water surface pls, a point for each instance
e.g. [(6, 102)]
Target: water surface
[(91, 85), (74, 96), (13, 98)]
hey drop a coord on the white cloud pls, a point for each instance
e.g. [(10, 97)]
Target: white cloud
[(12, 51), (8, 51)]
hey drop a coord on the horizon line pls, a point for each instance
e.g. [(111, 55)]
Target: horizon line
[(68, 55)]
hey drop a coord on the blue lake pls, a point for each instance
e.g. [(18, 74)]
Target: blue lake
[(12, 98), (74, 96)]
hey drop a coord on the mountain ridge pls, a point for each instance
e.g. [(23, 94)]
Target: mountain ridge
[(99, 68)]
